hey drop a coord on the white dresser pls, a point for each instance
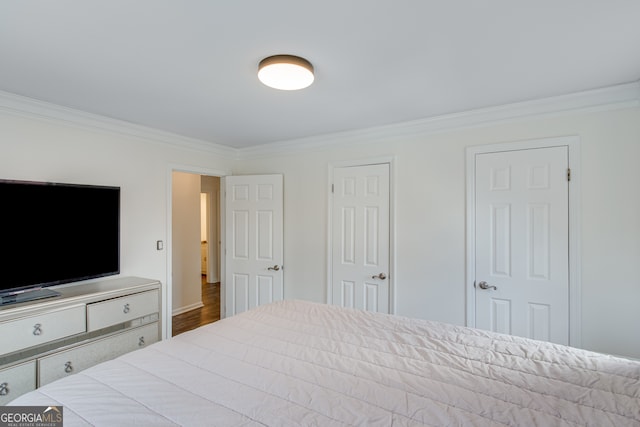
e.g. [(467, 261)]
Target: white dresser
[(44, 340)]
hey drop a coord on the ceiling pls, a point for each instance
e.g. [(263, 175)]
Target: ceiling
[(189, 67)]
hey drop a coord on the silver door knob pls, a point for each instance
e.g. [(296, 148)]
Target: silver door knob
[(380, 276), (485, 285), (274, 268)]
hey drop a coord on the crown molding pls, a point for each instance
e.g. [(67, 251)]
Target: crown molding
[(609, 98), (35, 109)]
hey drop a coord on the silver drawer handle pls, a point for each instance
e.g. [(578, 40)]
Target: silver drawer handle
[(125, 310), (4, 389), (141, 342), (37, 329), (68, 368)]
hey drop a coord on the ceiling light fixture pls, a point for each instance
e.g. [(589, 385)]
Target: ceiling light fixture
[(285, 72)]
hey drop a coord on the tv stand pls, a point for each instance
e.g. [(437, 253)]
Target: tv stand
[(47, 339), (31, 295)]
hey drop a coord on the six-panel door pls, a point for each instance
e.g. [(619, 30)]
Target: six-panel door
[(522, 243), (254, 241), (360, 237)]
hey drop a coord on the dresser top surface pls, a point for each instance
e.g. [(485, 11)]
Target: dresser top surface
[(81, 293)]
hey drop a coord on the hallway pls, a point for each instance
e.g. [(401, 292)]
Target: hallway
[(203, 315)]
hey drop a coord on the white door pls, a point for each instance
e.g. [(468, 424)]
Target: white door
[(254, 241), (360, 237), (522, 243)]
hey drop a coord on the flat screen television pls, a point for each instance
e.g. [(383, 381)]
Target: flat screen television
[(55, 233)]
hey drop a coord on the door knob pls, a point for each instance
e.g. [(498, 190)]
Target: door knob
[(380, 276), (274, 268), (485, 285)]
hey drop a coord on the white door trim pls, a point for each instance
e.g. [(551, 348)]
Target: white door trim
[(392, 222), (573, 144), (167, 292)]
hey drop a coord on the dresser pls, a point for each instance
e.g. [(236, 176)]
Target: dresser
[(45, 340)]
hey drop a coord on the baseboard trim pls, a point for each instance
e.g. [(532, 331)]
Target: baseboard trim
[(186, 308)]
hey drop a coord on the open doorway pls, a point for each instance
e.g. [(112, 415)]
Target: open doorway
[(195, 250), (210, 228)]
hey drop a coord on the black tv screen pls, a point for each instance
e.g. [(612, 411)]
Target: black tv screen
[(54, 233)]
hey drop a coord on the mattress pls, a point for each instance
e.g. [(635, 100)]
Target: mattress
[(296, 363)]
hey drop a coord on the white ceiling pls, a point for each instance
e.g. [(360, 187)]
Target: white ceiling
[(189, 67)]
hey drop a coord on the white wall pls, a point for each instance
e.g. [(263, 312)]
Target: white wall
[(430, 212), (54, 150), (185, 243), (430, 218)]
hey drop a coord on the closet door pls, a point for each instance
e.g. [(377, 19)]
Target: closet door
[(360, 237), (522, 243)]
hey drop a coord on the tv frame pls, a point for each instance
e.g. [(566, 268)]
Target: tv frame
[(36, 291)]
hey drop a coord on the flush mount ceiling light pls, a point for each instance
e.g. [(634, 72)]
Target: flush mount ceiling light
[(285, 72)]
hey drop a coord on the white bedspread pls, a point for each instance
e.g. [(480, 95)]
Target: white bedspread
[(295, 363)]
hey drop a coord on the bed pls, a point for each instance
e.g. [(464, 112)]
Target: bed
[(296, 363)]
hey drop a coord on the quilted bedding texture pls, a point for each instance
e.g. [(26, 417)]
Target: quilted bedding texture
[(295, 363)]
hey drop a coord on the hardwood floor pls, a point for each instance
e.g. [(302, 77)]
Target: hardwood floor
[(203, 315)]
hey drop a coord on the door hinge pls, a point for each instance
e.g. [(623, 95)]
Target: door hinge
[(568, 174), (331, 188)]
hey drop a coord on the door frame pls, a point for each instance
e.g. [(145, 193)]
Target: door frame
[(167, 297), (212, 206), (575, 285), (390, 160)]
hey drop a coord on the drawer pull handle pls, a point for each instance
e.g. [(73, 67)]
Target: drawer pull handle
[(4, 389), (141, 342), (126, 309), (37, 329), (68, 368)]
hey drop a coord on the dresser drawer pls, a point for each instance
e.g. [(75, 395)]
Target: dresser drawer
[(58, 365), (118, 310), (17, 380), (40, 329)]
